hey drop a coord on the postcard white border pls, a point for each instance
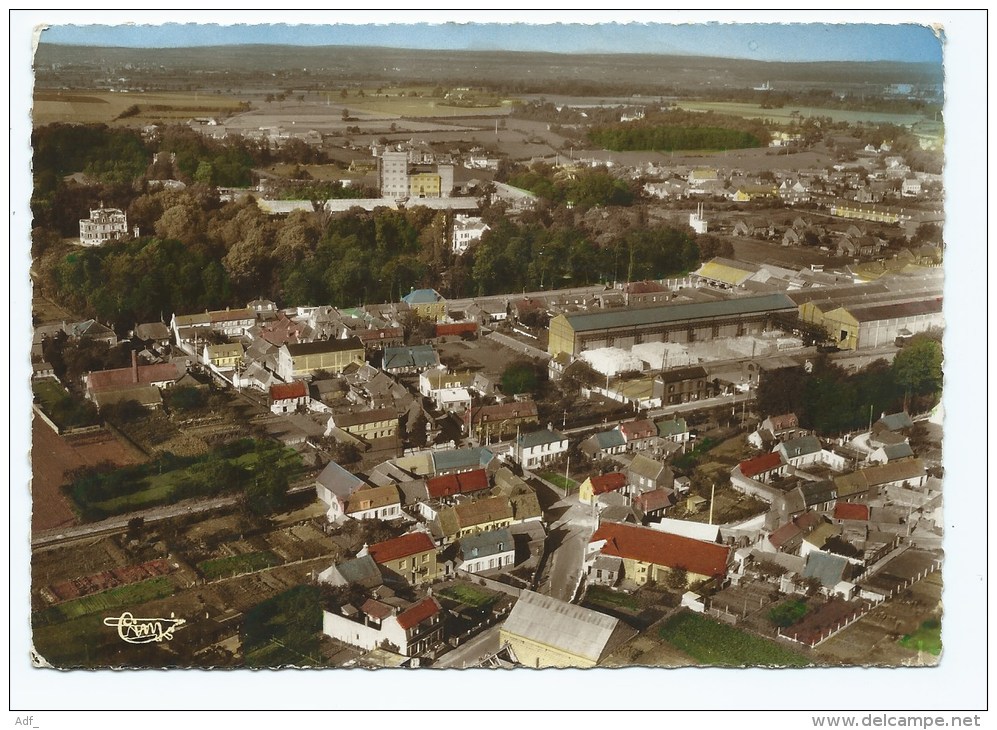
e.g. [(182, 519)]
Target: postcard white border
[(960, 681)]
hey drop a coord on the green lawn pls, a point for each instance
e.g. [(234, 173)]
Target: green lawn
[(65, 409), (714, 643), (123, 597), (284, 630), (155, 489), (470, 594), (607, 597), (237, 564), (558, 480), (928, 637), (49, 392)]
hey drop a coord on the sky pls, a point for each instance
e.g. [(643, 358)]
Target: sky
[(757, 41)]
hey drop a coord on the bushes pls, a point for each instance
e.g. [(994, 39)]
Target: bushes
[(788, 613)]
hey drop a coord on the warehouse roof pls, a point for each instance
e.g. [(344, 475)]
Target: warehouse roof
[(876, 312), (678, 312), (313, 348), (563, 626)]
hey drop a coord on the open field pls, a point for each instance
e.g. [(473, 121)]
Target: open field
[(53, 457), (785, 114), (238, 564), (123, 597), (717, 644), (103, 107)]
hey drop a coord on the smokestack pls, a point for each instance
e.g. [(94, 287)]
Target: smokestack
[(134, 367)]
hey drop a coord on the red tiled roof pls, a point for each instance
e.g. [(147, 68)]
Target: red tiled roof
[(457, 328), (608, 482), (654, 500), (784, 534), (376, 609), (415, 615), (385, 333), (786, 420), (287, 391), (448, 485), (638, 429), (851, 511), (662, 548), (504, 411), (401, 547), (761, 464), (807, 520), (125, 377)]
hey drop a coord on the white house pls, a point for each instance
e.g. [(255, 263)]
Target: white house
[(103, 225), (466, 230), (334, 487), (413, 630), (487, 551), (540, 447)]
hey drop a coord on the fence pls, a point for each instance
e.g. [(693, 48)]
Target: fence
[(489, 583), (848, 621)]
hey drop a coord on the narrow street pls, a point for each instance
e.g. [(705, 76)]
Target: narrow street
[(570, 529)]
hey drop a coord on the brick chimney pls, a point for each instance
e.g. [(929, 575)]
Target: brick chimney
[(134, 366)]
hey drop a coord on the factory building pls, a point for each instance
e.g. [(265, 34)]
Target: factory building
[(684, 323)]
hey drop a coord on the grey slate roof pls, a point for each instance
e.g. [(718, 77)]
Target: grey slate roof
[(339, 481), (538, 438), (801, 446), (483, 544), (563, 626), (828, 569), (418, 356), (818, 492), (896, 421), (471, 457), (677, 312), (609, 439), (898, 451), (362, 571)]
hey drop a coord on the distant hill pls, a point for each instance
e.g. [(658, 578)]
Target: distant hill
[(247, 67)]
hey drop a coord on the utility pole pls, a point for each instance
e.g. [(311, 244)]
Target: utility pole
[(713, 491)]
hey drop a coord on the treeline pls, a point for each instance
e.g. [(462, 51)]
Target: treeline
[(205, 257), (832, 401), (118, 163), (513, 257), (138, 281), (582, 189), (636, 136)]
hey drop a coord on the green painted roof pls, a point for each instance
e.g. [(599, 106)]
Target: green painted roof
[(674, 427), (677, 312)]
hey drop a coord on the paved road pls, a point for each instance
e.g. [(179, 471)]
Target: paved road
[(468, 655), (58, 537), (512, 344), (568, 535)]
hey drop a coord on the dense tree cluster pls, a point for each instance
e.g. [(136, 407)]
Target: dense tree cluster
[(582, 189), (681, 130), (262, 469), (197, 252), (831, 401), (513, 257), (638, 136)]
